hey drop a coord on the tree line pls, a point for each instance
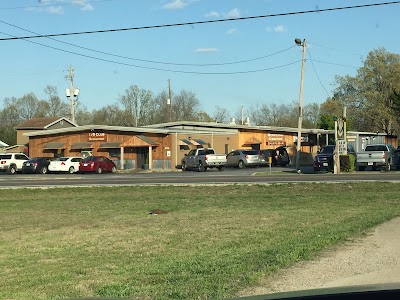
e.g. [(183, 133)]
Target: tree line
[(372, 98)]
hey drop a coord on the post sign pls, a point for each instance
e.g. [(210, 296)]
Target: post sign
[(97, 136), (342, 147)]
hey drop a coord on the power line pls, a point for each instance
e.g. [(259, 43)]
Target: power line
[(335, 64), (319, 79), (153, 61), (159, 69), (335, 49), (206, 22)]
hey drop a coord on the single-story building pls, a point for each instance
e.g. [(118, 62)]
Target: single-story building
[(162, 146)]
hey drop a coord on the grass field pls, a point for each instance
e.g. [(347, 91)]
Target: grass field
[(215, 240)]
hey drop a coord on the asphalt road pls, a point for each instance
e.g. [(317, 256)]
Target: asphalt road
[(250, 175)]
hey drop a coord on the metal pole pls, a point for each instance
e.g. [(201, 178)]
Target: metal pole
[(335, 153), (300, 108), (169, 102)]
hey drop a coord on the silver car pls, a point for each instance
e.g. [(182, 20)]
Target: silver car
[(243, 158)]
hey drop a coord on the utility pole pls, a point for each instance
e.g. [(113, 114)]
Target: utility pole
[(303, 44), (169, 102), (72, 92)]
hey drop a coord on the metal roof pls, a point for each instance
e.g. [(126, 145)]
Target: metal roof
[(96, 127), (202, 125), (83, 145), (110, 145), (54, 146)]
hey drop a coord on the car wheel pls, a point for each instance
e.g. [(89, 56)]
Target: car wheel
[(184, 167), (241, 164), (12, 170), (113, 170), (200, 167), (99, 170), (71, 170), (388, 166), (43, 170)]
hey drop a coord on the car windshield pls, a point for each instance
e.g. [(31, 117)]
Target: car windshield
[(194, 144), (327, 150), (250, 152), (89, 159), (62, 159)]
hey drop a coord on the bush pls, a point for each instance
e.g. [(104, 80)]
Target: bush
[(347, 163)]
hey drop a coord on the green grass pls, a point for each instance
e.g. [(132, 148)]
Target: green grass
[(214, 242)]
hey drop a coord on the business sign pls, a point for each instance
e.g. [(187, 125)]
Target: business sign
[(97, 136), (275, 139), (304, 138)]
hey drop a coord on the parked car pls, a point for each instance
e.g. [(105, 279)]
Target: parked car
[(378, 155), (202, 158), (243, 158), (12, 162), (280, 156), (324, 159), (65, 164), (98, 164), (37, 165)]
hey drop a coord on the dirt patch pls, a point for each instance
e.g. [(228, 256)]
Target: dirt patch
[(371, 260)]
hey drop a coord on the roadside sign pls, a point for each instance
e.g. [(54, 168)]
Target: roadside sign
[(340, 128), (342, 147)]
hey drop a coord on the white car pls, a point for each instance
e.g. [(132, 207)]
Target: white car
[(65, 164)]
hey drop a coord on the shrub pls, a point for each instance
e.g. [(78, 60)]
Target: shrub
[(347, 163)]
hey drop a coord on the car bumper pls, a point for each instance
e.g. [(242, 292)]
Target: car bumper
[(86, 169), (322, 165), (31, 169)]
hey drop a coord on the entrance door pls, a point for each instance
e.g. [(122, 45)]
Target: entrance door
[(143, 158)]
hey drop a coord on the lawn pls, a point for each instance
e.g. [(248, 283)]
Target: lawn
[(213, 242)]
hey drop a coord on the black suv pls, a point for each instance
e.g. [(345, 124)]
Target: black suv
[(280, 156), (324, 159)]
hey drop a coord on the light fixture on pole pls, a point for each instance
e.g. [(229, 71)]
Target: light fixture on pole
[(303, 44)]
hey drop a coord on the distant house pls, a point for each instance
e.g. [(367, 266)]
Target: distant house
[(38, 124)]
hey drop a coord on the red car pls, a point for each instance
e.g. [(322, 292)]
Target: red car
[(98, 164)]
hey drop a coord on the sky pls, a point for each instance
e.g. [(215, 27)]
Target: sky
[(233, 64)]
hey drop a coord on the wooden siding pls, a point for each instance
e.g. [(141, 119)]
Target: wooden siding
[(37, 143)]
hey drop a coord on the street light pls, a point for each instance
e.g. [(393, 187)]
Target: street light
[(302, 44)]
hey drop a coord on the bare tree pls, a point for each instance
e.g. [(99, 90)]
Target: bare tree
[(221, 115), (185, 106), (56, 107), (135, 103)]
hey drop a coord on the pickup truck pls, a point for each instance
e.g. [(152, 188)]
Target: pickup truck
[(377, 155), (12, 162), (202, 159)]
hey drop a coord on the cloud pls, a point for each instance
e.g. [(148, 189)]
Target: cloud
[(58, 10), (176, 4), (206, 50), (84, 5), (212, 14), (277, 29), (234, 13), (231, 31), (57, 6)]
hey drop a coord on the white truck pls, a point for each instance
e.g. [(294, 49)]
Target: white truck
[(377, 155), (12, 162), (201, 159)]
